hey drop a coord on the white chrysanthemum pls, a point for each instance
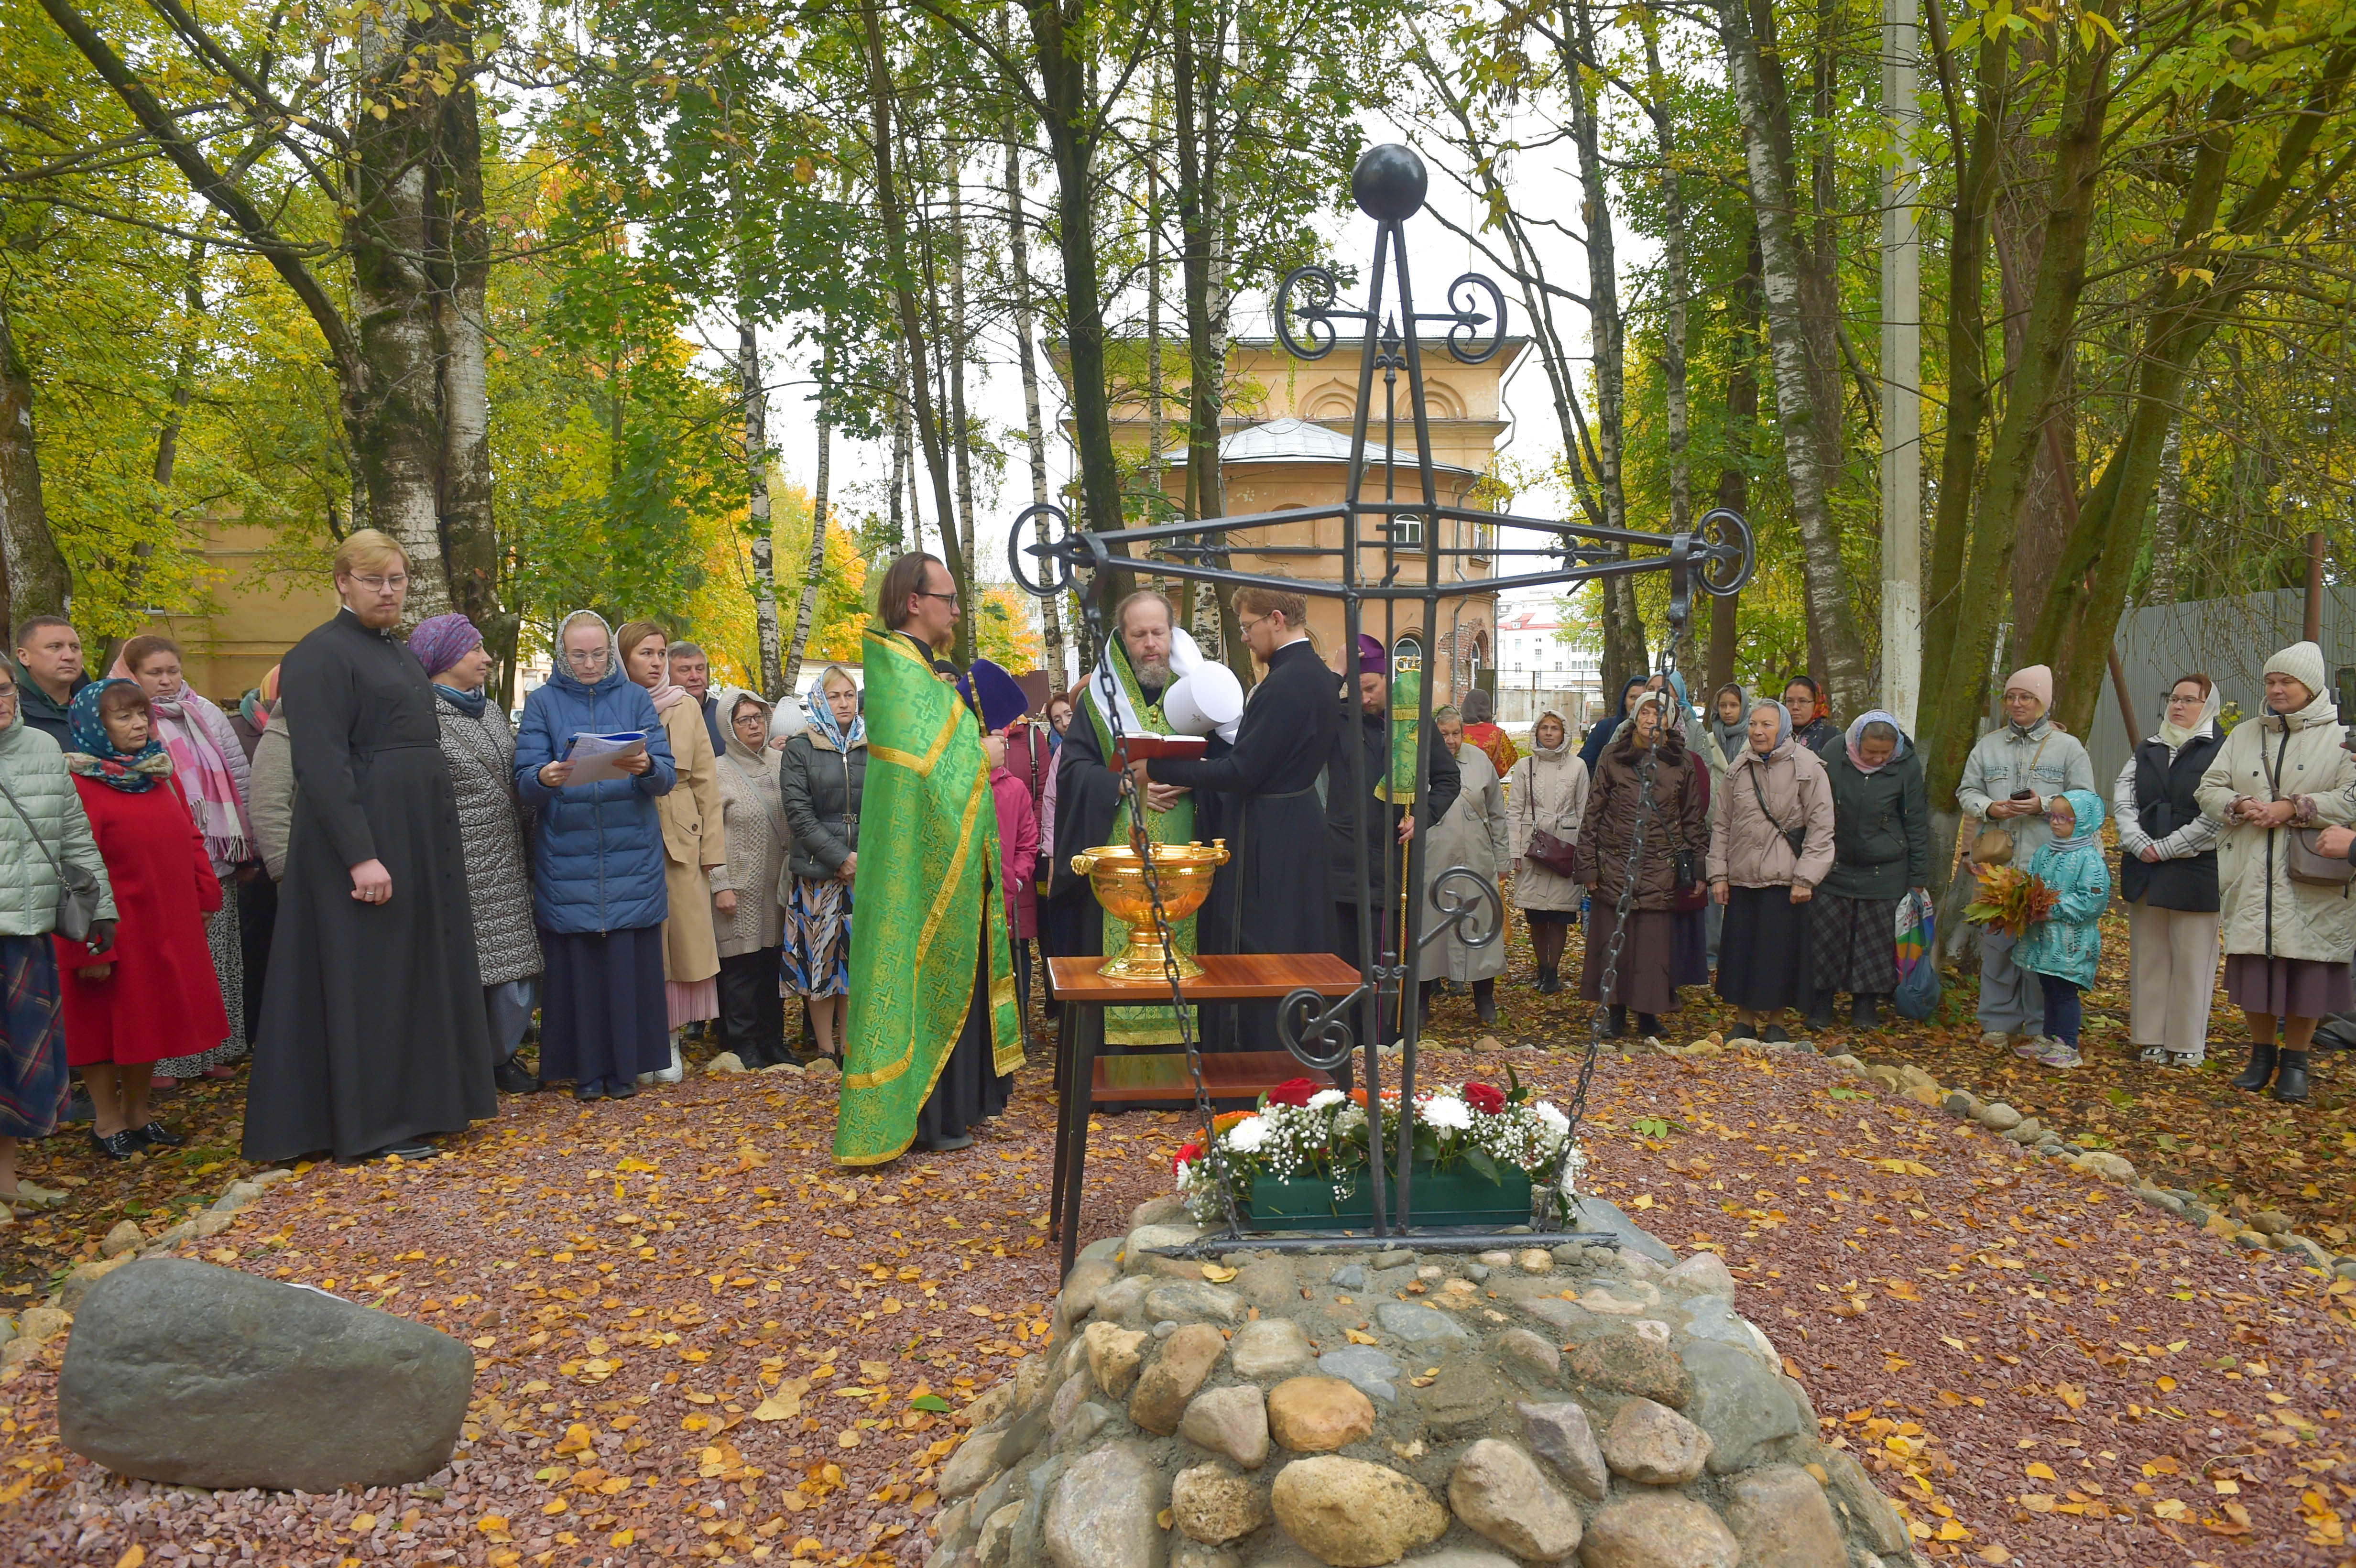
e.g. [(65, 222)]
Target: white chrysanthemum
[(1554, 1119), (1325, 1097), (1445, 1111), (1574, 1165), (1247, 1136)]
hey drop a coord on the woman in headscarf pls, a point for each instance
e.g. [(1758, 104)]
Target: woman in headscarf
[(822, 777), (694, 843), (43, 829), (152, 992), (1546, 793), (213, 777), (480, 750), (1472, 834), (1725, 732), (1590, 750), (1881, 849), (2167, 875), (599, 874), (747, 893), (1775, 793), (1647, 754), (2287, 939)]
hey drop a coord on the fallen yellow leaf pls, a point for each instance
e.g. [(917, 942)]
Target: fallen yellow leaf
[(1217, 1273), (491, 1522), (2039, 1470), (133, 1558), (621, 1537), (784, 1401), (1358, 1338)]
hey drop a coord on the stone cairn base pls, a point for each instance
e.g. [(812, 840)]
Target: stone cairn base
[(1580, 1404)]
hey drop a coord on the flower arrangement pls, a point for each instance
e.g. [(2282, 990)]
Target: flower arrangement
[(1303, 1132), (2009, 899)]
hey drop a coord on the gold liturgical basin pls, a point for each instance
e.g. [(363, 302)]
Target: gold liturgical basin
[(1183, 874)]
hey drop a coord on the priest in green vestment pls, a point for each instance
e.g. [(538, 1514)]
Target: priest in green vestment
[(1090, 810), (934, 1033)]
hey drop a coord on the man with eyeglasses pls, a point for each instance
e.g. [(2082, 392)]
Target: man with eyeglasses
[(373, 1035), (934, 1035), (1271, 896)]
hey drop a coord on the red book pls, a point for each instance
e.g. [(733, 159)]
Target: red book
[(1153, 747)]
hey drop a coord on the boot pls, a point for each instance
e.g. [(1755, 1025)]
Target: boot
[(1647, 1024), (1864, 1012), (2262, 1068), (1485, 1000), (2290, 1084), (1423, 1003), (1548, 982), (1617, 1026)]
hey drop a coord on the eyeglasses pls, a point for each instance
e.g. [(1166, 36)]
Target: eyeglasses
[(584, 657), (2176, 698), (1245, 625), (928, 593), (379, 584)]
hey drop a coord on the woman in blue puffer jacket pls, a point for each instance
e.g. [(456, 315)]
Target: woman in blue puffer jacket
[(596, 870)]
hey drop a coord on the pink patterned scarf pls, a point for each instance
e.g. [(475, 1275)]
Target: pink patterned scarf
[(190, 726)]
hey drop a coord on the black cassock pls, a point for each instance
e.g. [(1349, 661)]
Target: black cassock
[(1088, 794), (372, 1027), (1379, 821), (1271, 896)]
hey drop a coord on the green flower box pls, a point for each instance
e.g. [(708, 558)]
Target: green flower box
[(1458, 1196)]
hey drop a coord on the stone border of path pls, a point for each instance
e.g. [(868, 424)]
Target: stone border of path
[(2267, 1231), (21, 1336)]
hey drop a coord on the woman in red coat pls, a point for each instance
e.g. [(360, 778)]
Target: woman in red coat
[(153, 994)]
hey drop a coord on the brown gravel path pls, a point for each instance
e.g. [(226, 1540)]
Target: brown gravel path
[(637, 1277)]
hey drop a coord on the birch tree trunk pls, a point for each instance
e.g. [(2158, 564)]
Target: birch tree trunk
[(907, 530), (2168, 517), (814, 571), (954, 352), (1624, 652), (1673, 349), (1741, 435), (1800, 371), (33, 576), (1035, 430), (751, 387)]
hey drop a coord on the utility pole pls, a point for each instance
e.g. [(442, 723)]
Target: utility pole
[(1901, 372)]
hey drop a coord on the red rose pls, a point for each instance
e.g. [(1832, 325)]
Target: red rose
[(1485, 1098), (1186, 1157), (1294, 1092)]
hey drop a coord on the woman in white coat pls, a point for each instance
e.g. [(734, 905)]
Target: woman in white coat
[(2287, 936), (1474, 835), (1546, 793)]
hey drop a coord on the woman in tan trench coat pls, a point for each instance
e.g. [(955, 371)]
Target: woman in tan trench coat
[(694, 840)]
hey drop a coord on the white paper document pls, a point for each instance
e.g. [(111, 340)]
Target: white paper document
[(596, 758)]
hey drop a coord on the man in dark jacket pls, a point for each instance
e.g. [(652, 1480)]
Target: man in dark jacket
[(1379, 829), (691, 671), (49, 655)]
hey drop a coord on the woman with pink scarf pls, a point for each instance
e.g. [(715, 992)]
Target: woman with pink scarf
[(210, 765)]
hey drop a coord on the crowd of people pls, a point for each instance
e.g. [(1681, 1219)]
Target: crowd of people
[(365, 875)]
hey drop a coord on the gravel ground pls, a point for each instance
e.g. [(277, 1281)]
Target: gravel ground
[(2041, 1369)]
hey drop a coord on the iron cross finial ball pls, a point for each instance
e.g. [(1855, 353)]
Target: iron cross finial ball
[(1389, 183)]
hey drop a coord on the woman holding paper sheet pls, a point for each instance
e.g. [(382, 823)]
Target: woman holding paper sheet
[(597, 882)]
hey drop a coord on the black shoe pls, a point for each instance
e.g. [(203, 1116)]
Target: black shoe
[(1820, 1018), (513, 1079), (159, 1136), (2290, 1084), (620, 1089), (1485, 1000), (2261, 1069), (592, 1089), (1615, 1023), (1646, 1023), (117, 1146), (1864, 1011), (946, 1146), (408, 1148), (1774, 1034)]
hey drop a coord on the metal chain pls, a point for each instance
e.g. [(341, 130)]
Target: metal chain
[(1143, 848), (1646, 774)]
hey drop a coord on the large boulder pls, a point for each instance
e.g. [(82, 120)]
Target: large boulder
[(192, 1375)]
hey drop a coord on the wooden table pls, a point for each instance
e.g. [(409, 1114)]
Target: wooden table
[(1162, 1078)]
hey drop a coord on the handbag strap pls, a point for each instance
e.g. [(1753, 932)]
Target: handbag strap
[(55, 870), (1755, 789)]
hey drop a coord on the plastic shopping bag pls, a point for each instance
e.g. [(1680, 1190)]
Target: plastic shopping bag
[(1917, 996)]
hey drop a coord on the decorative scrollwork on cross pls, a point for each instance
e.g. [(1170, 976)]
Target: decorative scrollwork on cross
[(1317, 310), (1460, 894), (1317, 1035), (1465, 297)]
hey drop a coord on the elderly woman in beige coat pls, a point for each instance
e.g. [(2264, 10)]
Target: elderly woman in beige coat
[(1473, 834), (1776, 793), (2280, 776), (1546, 793), (695, 844), (747, 909)]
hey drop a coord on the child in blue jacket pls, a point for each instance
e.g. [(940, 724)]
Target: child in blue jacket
[(2064, 949)]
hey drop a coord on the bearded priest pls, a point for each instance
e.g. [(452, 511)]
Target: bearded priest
[(1090, 810)]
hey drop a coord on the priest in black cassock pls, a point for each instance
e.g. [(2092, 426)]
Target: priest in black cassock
[(1271, 896), (1378, 830), (372, 1031)]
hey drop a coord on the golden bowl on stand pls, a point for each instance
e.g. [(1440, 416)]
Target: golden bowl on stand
[(1183, 874)]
